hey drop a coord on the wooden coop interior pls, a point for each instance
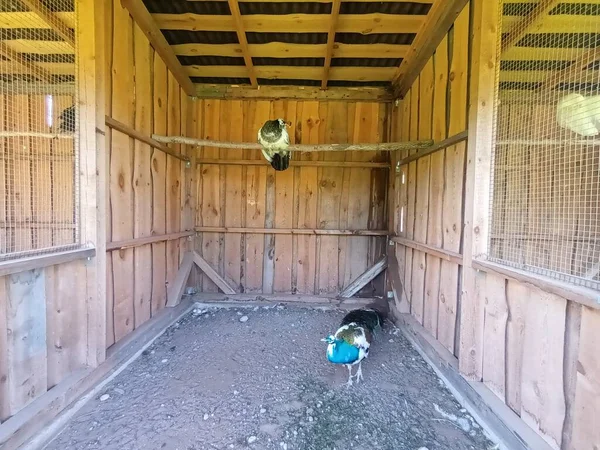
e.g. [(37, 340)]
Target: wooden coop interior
[(446, 158)]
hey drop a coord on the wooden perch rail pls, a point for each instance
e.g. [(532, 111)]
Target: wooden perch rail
[(383, 147)]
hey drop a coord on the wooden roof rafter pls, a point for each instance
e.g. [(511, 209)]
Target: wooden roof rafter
[(34, 69), (440, 18), (241, 34), (576, 70), (335, 13), (51, 20), (527, 23), (142, 17)]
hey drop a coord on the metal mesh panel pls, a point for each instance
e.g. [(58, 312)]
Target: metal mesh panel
[(545, 215), (38, 128)]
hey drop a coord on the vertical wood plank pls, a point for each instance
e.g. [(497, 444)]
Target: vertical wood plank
[(142, 177), (173, 177), (121, 169), (159, 191), (4, 384), (233, 201), (26, 343), (66, 320), (494, 339), (542, 395), (517, 295), (426, 83), (587, 397)]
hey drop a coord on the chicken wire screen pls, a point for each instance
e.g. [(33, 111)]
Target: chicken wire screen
[(545, 214), (38, 122)]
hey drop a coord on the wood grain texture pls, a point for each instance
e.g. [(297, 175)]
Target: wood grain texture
[(494, 347), (4, 384)]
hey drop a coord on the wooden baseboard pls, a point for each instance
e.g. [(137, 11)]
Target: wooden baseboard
[(286, 299), (497, 419), (33, 426)]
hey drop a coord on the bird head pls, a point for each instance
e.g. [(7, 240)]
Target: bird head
[(282, 123), (330, 339)]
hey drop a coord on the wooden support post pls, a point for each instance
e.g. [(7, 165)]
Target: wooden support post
[(365, 278), (484, 64), (212, 274), (175, 290)]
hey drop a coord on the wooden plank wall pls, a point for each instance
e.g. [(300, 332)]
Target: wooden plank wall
[(307, 197), (149, 191), (538, 353), (428, 191)]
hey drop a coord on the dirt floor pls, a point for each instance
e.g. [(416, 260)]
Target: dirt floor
[(258, 378)]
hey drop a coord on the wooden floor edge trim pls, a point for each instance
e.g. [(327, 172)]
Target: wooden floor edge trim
[(245, 300), (499, 422), (37, 424)]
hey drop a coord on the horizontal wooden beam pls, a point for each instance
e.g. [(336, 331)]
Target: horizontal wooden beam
[(577, 75), (579, 294), (38, 88), (17, 19), (262, 162), (441, 253), (365, 278), (440, 18), (211, 273), (452, 140), (295, 73), (523, 25), (542, 54), (144, 20), (205, 299), (52, 20), (39, 47), (559, 23), (381, 147), (27, 68), (30, 67), (368, 94), (40, 261), (36, 135), (576, 72), (287, 50), (299, 23), (138, 242), (120, 126), (302, 231)]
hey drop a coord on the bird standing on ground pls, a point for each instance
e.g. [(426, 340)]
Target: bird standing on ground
[(274, 139), (351, 342), (68, 120)]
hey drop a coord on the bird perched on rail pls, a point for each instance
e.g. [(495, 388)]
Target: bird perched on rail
[(274, 139), (351, 342), (68, 120), (579, 114)]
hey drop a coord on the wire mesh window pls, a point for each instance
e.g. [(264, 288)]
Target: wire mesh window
[(545, 214), (39, 142)]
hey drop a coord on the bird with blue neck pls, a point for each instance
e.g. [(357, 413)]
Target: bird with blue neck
[(351, 342)]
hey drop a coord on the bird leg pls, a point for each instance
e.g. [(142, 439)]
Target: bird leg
[(359, 375), (349, 383)]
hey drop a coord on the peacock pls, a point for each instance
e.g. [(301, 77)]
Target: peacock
[(351, 342), (68, 120), (274, 139)]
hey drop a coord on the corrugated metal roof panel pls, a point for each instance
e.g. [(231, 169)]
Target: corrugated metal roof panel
[(381, 38), (175, 37), (49, 58), (220, 80), (366, 62), (534, 65), (204, 60), (570, 9), (336, 83), (283, 82), (19, 79), (295, 62), (183, 6), (404, 8), (282, 8), (290, 38)]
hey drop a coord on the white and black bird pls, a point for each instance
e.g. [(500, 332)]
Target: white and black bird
[(274, 139)]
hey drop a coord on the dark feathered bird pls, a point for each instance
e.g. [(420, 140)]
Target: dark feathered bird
[(351, 342), (68, 120), (274, 139)]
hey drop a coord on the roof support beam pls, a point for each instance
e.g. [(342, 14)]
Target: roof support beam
[(241, 34), (145, 21), (574, 71), (440, 18), (15, 57), (52, 20), (527, 23), (335, 13)]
